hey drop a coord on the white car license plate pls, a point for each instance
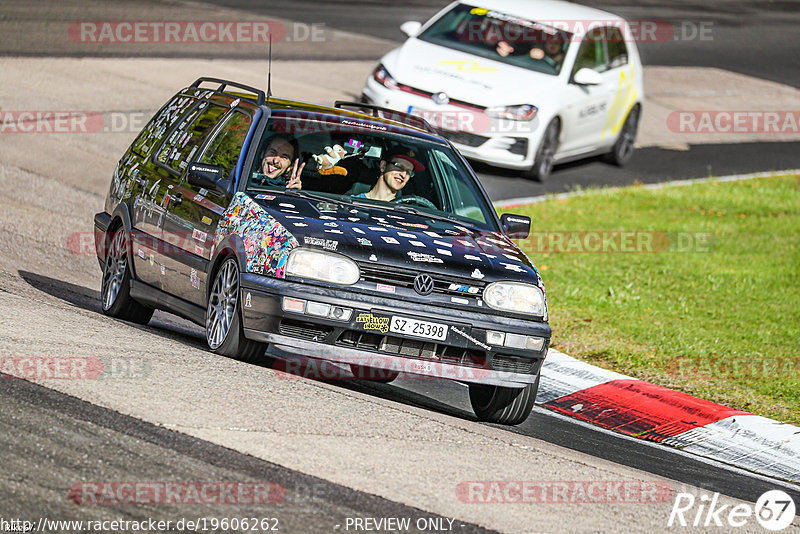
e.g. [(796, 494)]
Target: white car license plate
[(414, 327)]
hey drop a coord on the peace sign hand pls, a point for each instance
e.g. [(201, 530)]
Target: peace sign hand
[(294, 182)]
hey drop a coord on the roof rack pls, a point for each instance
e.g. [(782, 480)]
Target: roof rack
[(386, 113), (224, 83)]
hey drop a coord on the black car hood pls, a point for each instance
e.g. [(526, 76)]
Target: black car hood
[(410, 241)]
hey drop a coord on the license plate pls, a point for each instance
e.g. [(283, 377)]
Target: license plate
[(415, 327)]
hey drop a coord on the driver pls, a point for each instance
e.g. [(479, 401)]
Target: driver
[(396, 171)]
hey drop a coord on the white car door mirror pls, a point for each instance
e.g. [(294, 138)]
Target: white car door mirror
[(587, 76), (411, 27)]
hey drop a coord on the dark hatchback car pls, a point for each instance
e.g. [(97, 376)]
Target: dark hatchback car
[(427, 284)]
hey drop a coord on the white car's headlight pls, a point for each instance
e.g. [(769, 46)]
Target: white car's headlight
[(383, 77), (324, 266), (523, 112), (515, 297)]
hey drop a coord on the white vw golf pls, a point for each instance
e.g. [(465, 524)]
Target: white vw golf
[(519, 84)]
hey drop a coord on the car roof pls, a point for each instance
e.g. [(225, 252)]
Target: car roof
[(305, 108), (546, 11)]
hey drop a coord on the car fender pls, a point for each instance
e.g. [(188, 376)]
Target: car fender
[(231, 244)]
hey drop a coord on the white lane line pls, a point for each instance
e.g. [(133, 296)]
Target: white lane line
[(675, 183)]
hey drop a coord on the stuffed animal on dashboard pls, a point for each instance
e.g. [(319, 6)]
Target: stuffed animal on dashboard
[(326, 162), (329, 161)]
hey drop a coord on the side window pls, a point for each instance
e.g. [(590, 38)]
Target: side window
[(186, 139), (224, 149), (160, 124), (617, 49), (592, 53)]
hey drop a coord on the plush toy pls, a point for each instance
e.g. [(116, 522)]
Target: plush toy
[(327, 162)]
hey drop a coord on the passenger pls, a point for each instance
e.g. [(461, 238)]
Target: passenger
[(276, 163), (396, 171)]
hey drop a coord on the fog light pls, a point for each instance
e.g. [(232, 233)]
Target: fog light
[(495, 338), (515, 341), (318, 308), (534, 343), (341, 314), (294, 305)]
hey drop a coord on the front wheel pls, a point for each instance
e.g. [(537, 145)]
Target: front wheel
[(224, 332), (502, 405), (116, 285), (622, 151), (545, 155)]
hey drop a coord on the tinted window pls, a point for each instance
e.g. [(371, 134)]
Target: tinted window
[(617, 49), (182, 144), (160, 124), (592, 53), (224, 149)]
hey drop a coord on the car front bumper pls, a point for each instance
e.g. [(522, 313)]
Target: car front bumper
[(366, 338), (503, 143)]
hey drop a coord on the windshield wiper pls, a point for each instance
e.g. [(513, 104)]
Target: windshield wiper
[(414, 211)]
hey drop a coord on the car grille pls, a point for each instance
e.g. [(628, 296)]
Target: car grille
[(464, 138), (412, 348), (384, 274), (314, 332), (515, 364)]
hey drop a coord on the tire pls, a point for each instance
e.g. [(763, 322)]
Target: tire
[(224, 332), (622, 151), (115, 287), (382, 376), (501, 405), (545, 154)]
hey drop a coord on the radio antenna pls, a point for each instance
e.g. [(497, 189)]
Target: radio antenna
[(269, 70)]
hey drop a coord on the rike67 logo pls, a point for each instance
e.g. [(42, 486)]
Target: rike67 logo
[(774, 510)]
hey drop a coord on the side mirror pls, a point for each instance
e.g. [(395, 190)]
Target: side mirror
[(207, 176), (411, 27), (587, 76), (516, 226)]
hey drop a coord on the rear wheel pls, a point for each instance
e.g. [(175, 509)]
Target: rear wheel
[(502, 405), (545, 155), (116, 285), (622, 151), (224, 332)]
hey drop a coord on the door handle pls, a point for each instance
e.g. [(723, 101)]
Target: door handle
[(176, 199)]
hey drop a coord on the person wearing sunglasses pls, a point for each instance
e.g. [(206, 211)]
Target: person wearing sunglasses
[(396, 171)]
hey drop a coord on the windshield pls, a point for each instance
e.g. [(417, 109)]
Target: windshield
[(505, 38), (361, 162)]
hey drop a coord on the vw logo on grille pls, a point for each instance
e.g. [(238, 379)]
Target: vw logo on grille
[(440, 98), (423, 284)]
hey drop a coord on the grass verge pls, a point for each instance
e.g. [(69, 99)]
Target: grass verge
[(695, 287)]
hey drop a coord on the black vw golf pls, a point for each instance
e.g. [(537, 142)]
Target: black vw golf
[(356, 237)]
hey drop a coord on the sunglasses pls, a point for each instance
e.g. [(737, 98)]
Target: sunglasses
[(399, 168)]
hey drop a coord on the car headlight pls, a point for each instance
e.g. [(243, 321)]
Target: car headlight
[(515, 297), (323, 266), (523, 112), (383, 77)]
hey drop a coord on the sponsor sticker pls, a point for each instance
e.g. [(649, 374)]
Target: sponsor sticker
[(327, 244), (373, 322), (386, 288), (426, 258)]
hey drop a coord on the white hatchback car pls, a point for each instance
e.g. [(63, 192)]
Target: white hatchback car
[(519, 84)]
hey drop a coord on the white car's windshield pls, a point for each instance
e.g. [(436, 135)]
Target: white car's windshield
[(355, 161), (501, 37)]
